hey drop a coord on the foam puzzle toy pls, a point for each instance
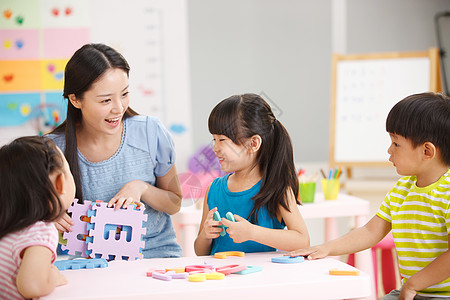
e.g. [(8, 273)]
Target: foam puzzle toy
[(229, 216), (128, 244), (227, 270), (249, 270), (223, 255), (81, 263), (76, 239), (335, 271), (206, 276), (288, 259), (103, 232)]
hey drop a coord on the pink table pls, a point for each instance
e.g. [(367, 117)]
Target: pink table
[(187, 220), (127, 280)]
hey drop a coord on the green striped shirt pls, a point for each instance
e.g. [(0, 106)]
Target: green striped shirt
[(420, 219)]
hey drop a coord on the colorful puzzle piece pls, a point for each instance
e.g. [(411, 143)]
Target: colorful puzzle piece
[(223, 255), (288, 259), (335, 271), (229, 217), (81, 263), (249, 270), (127, 243), (75, 242)]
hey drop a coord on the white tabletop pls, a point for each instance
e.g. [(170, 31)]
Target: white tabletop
[(127, 280)]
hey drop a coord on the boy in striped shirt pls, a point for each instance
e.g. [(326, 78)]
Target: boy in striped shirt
[(417, 208)]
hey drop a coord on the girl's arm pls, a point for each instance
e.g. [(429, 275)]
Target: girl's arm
[(208, 229), (296, 236), (356, 240), (165, 196), (434, 273), (37, 276)]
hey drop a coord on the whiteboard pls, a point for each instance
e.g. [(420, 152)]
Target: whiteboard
[(365, 90)]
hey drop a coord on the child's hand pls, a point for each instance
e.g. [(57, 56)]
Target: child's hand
[(130, 193), (240, 231), (311, 253), (64, 224), (406, 293), (210, 227)]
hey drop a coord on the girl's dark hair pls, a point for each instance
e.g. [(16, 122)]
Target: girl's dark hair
[(423, 118), (240, 117), (27, 194), (86, 65)]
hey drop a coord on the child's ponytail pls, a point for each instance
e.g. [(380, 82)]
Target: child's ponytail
[(279, 175)]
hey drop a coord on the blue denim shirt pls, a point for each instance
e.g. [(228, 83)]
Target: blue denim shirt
[(146, 152)]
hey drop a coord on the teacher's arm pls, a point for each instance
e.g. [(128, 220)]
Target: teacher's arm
[(165, 196)]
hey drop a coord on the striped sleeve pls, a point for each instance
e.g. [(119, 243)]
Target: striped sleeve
[(40, 234), (384, 211)]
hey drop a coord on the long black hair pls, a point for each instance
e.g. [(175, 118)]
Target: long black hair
[(27, 194), (240, 117), (86, 65), (423, 118)]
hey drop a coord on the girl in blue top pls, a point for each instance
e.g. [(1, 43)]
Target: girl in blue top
[(114, 154), (262, 190)]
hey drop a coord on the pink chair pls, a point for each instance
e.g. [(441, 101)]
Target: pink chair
[(385, 266)]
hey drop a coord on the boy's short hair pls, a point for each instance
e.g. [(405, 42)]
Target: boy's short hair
[(423, 118)]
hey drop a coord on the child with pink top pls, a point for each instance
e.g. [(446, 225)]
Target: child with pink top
[(36, 187)]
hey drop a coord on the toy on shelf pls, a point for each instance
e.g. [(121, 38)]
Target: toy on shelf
[(229, 217), (81, 263), (103, 232)]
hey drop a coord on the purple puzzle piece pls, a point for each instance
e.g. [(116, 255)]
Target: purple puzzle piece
[(103, 219), (79, 227)]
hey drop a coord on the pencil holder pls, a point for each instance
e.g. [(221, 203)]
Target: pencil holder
[(330, 188), (306, 191)]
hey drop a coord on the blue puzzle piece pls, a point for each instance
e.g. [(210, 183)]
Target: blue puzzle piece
[(288, 259), (81, 263), (229, 217), (249, 270)]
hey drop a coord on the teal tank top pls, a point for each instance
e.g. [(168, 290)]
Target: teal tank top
[(238, 203)]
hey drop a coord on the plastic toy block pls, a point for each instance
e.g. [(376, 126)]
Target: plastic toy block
[(75, 243), (215, 276), (197, 277), (204, 276), (154, 270), (229, 217), (223, 255), (81, 263), (249, 270), (177, 270), (288, 259), (335, 271), (128, 243), (199, 268), (227, 270), (162, 276)]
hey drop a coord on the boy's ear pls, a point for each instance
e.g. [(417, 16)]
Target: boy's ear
[(59, 183), (255, 143), (75, 102), (429, 150)]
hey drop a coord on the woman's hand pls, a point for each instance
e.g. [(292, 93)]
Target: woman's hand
[(64, 224), (240, 231), (130, 193), (210, 227)]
